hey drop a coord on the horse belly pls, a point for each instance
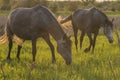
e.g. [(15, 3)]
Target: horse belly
[(28, 34), (23, 34)]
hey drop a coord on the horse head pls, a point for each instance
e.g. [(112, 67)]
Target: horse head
[(108, 28), (64, 48)]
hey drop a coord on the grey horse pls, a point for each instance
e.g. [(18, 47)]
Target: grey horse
[(89, 21), (35, 22)]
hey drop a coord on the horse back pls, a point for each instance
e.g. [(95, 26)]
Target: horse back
[(36, 20), (88, 20)]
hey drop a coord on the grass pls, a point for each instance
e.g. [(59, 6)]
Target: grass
[(66, 13), (4, 13), (104, 64), (113, 14)]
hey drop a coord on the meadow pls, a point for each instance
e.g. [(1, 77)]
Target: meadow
[(104, 64)]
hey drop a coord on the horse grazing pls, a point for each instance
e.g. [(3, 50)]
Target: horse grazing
[(35, 22), (89, 21)]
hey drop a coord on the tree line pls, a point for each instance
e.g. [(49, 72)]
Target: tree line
[(60, 6)]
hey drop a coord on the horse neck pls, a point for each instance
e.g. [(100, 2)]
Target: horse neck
[(56, 32), (103, 16)]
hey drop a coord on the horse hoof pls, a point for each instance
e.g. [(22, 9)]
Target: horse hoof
[(54, 66), (86, 50), (53, 62), (92, 52), (8, 60), (33, 65), (18, 58), (80, 47)]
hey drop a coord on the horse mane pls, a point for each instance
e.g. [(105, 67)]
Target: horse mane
[(37, 7), (48, 11), (44, 9)]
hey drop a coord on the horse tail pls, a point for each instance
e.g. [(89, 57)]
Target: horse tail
[(3, 36), (18, 40), (3, 39), (68, 18)]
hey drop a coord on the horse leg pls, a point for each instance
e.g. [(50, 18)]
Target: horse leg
[(34, 49), (81, 38), (94, 41), (18, 51), (47, 39), (10, 47), (75, 36), (91, 42)]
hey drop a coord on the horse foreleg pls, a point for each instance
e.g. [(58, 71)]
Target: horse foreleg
[(91, 42), (47, 39), (34, 49), (94, 41), (81, 39), (75, 36)]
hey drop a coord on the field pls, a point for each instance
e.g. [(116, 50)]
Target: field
[(104, 64)]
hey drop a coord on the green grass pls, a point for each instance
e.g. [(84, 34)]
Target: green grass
[(113, 14), (66, 13), (4, 13), (104, 64)]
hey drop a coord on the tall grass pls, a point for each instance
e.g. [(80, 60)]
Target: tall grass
[(104, 64)]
